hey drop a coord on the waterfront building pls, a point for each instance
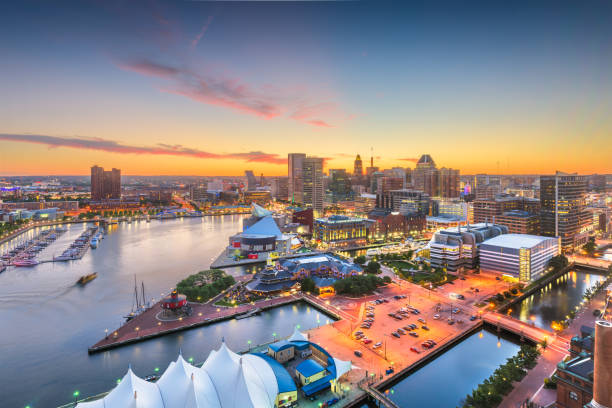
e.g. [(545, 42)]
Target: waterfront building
[(262, 240), (259, 196), (563, 209), (273, 279), (574, 382), (457, 248), (341, 231), (105, 184), (312, 183), (520, 256), (295, 184), (227, 380)]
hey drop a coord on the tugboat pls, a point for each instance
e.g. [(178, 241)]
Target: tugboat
[(87, 278)]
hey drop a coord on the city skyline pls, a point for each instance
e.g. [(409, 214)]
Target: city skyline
[(178, 90)]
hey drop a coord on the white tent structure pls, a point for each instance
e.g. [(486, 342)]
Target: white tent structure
[(226, 379), (297, 336), (342, 367)]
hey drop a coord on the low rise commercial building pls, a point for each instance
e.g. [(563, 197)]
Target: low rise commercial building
[(519, 256), (341, 231), (457, 248)]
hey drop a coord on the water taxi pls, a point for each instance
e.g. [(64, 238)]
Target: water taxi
[(87, 278)]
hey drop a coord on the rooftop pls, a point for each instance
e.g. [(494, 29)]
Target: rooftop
[(309, 368), (516, 241)]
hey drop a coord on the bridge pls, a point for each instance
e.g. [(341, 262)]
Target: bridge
[(535, 334), (380, 398)]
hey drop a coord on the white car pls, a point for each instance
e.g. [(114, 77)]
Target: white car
[(436, 316), (377, 345)]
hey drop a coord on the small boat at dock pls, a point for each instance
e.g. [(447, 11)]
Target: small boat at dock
[(87, 278)]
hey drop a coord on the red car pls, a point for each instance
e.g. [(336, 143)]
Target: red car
[(367, 341), (416, 350)]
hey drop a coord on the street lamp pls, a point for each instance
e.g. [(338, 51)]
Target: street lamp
[(76, 395)]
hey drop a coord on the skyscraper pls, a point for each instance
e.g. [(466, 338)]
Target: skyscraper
[(105, 184), (295, 181), (358, 168), (435, 182), (312, 183), (562, 201), (251, 180)]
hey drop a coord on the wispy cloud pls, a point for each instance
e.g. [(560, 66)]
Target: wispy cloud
[(233, 93), (410, 159), (196, 40), (158, 149), (149, 68)]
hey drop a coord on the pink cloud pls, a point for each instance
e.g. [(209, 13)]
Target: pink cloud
[(145, 67), (234, 94), (410, 159), (198, 37), (158, 149)]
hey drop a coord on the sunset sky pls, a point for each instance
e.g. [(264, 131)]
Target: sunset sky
[(215, 88)]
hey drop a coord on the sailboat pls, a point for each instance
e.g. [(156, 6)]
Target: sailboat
[(139, 303)]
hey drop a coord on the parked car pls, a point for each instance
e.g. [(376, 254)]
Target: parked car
[(472, 318), (436, 316), (416, 350), (424, 327), (367, 341), (413, 334), (401, 331), (395, 334), (422, 320), (377, 345), (358, 353), (332, 401)]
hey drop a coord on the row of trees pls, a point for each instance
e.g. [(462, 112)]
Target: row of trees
[(358, 285), (8, 227), (205, 285), (490, 392)]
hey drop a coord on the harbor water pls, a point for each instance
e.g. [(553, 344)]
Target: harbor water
[(554, 301), (48, 321), (446, 380)]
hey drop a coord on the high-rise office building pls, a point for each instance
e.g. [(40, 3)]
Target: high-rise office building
[(279, 188), (339, 185), (105, 184), (251, 180), (448, 184), (295, 183), (563, 202), (312, 183), (435, 182)]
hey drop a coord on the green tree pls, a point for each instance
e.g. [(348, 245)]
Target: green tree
[(373, 267), (360, 260), (590, 246)]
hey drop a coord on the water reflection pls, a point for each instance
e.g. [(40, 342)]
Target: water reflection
[(48, 322), (458, 370), (554, 301)]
